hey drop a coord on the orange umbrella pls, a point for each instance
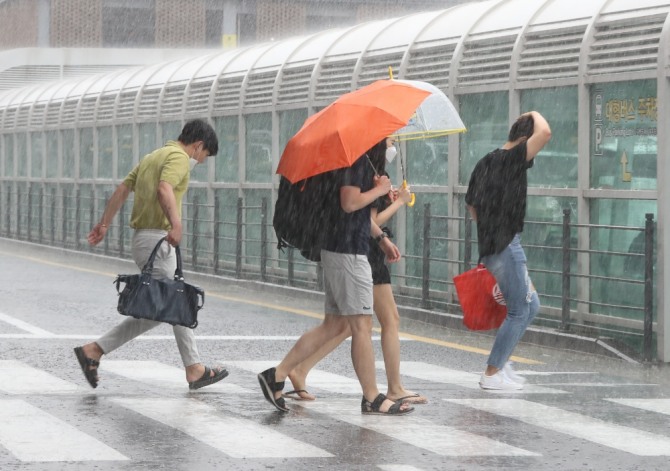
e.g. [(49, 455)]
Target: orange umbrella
[(339, 134)]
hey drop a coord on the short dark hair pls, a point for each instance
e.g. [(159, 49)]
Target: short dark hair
[(522, 127), (199, 130)]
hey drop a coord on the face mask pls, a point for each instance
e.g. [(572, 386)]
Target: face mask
[(192, 163), (391, 153)]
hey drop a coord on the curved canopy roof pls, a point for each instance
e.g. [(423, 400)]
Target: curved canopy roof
[(486, 43)]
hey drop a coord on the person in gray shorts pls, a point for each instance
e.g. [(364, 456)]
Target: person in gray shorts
[(348, 288)]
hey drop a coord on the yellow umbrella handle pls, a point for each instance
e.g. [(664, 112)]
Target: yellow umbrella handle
[(413, 200)]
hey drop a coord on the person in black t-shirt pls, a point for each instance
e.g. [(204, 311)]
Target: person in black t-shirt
[(496, 199), (381, 210), (348, 292)]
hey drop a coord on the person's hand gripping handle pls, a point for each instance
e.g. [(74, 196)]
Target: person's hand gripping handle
[(413, 200)]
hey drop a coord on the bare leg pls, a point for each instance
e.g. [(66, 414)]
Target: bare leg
[(299, 374), (389, 319), (363, 358), (307, 345)]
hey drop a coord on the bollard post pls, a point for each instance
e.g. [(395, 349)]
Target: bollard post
[(217, 206), (107, 196), (29, 216), (264, 238), (64, 216), (648, 285), (425, 281), (238, 250), (194, 236), (319, 276), (291, 265), (91, 220), (9, 211), (77, 217), (565, 272), (40, 217), (18, 212), (53, 217)]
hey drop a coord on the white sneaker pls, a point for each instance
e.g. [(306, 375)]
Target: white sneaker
[(513, 375), (498, 381)]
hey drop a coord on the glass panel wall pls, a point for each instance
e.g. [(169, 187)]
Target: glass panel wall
[(623, 135), (36, 154), (542, 240), (21, 154), (51, 160), (226, 221), (226, 164), (9, 155), (86, 153), (147, 138), (426, 162), (124, 139), (252, 225), (170, 131), (556, 165), (198, 231), (415, 240), (258, 142), (68, 153), (619, 260), (290, 122), (485, 115), (105, 152)]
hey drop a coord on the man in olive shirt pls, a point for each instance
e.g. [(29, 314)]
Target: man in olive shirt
[(159, 182)]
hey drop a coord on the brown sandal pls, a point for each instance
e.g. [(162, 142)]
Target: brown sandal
[(89, 366)]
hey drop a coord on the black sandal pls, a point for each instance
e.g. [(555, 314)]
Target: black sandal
[(372, 408), (89, 366), (269, 386)]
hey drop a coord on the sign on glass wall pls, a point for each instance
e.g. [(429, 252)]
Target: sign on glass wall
[(623, 135)]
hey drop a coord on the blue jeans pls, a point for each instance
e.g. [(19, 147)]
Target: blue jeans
[(510, 271)]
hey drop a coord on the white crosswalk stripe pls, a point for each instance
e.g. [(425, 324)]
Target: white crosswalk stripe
[(19, 378), (440, 374), (660, 406), (318, 379), (35, 435), (598, 431), (415, 430), (398, 467), (236, 437), (165, 376), (245, 438)]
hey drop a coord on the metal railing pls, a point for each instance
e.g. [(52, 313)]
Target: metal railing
[(237, 240)]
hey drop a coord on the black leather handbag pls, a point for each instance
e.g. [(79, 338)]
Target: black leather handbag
[(172, 301)]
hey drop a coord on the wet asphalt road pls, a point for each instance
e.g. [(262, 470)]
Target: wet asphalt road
[(578, 411)]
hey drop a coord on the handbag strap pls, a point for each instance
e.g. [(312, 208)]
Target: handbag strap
[(149, 266), (178, 274)]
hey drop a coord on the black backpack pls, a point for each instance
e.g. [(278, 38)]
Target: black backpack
[(305, 211)]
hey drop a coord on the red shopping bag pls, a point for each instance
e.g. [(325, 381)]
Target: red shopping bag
[(481, 300)]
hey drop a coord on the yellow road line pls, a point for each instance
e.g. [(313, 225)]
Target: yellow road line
[(302, 312), (417, 338)]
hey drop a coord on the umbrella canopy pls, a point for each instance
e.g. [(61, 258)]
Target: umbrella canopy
[(339, 134), (435, 117)]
